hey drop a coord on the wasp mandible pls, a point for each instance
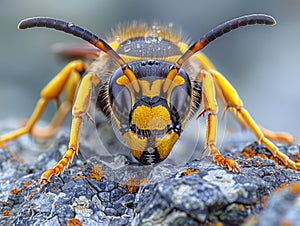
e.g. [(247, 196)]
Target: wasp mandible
[(149, 85)]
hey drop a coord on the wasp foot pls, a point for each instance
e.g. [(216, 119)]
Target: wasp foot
[(229, 163), (58, 168)]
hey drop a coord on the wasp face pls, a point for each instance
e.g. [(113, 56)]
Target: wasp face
[(151, 117)]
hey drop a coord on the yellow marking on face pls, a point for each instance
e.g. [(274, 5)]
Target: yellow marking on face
[(151, 118), (123, 81), (166, 144), (178, 80), (138, 145), (156, 86), (135, 142), (153, 90), (129, 79), (132, 78), (170, 84)]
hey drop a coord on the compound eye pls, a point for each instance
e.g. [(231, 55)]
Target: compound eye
[(180, 99), (120, 97)]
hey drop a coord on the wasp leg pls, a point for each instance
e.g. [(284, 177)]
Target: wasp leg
[(206, 64), (278, 136), (235, 105), (62, 111), (211, 106), (51, 92), (80, 109)]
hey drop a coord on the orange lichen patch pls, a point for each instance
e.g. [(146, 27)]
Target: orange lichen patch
[(263, 201), (79, 176), (285, 222), (97, 173), (249, 207), (258, 163), (6, 213), (74, 222), (241, 208), (4, 182), (277, 160), (14, 180), (190, 171), (14, 156), (248, 152), (297, 159), (215, 224), (32, 194), (295, 188), (16, 191), (5, 203), (263, 156), (284, 184), (133, 184), (27, 184)]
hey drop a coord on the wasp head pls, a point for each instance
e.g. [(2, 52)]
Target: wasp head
[(151, 111)]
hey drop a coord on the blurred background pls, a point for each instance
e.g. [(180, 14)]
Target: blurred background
[(261, 62)]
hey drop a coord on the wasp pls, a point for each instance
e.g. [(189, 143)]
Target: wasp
[(148, 84)]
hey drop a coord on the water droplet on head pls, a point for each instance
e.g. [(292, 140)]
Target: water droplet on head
[(147, 40), (127, 48), (154, 39)]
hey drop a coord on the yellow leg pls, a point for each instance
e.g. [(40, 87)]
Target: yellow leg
[(51, 92), (235, 105), (62, 112), (211, 106), (207, 65), (53, 127), (80, 109), (280, 137)]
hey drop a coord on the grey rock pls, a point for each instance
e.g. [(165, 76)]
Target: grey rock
[(170, 197)]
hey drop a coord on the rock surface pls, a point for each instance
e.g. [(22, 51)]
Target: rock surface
[(199, 193)]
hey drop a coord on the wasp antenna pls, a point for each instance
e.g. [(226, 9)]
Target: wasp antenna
[(73, 29), (222, 29)]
